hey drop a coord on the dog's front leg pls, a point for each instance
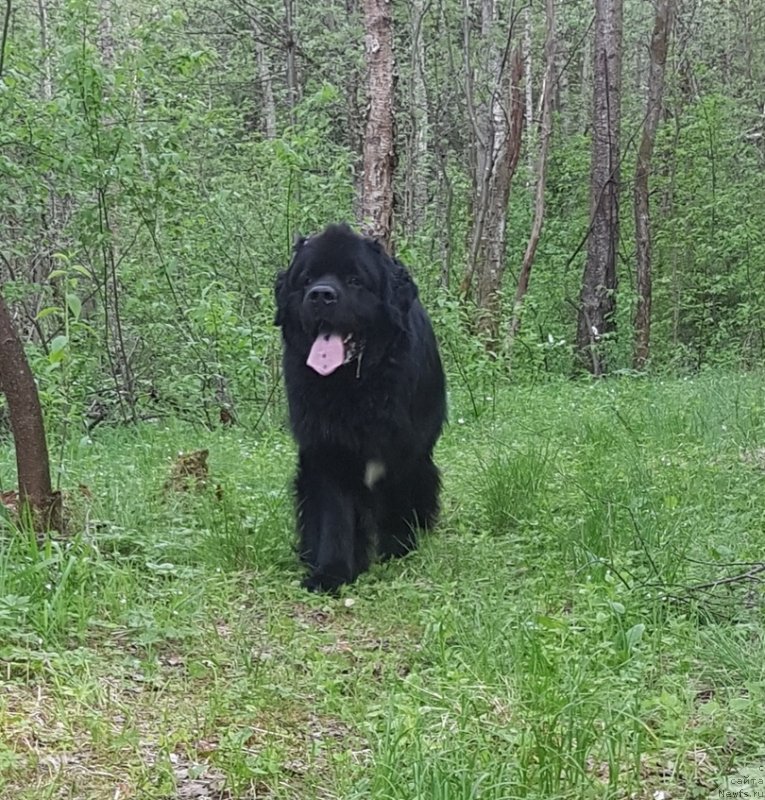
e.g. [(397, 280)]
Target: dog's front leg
[(327, 518)]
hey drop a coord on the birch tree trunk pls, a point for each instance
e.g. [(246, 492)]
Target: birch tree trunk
[(377, 190), (597, 302), (658, 59)]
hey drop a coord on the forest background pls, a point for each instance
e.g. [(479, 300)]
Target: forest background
[(577, 188), (156, 164)]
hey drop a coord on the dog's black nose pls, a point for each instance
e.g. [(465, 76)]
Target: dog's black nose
[(322, 293)]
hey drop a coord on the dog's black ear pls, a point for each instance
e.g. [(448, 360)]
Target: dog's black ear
[(280, 292), (280, 287), (404, 288), (402, 293)]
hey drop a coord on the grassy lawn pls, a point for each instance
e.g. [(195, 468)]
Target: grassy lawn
[(550, 640)]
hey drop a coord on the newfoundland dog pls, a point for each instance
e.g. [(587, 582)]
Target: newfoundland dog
[(366, 395)]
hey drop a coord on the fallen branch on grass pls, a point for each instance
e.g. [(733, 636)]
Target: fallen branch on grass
[(750, 575)]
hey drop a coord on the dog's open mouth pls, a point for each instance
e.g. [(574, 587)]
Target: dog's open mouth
[(331, 351)]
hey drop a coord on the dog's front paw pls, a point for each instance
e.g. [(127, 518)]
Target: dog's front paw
[(328, 579)]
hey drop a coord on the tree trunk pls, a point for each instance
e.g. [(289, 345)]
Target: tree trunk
[(597, 303), (529, 83), (443, 211), (353, 120), (658, 58), (115, 343), (415, 183), (539, 195), (377, 193), (18, 384), (497, 129), (508, 132), (105, 33), (290, 45), (266, 83), (585, 85), (46, 79), (4, 33)]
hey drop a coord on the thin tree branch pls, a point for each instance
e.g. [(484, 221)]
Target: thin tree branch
[(4, 39), (740, 577)]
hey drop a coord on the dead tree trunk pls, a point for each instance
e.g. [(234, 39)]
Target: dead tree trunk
[(377, 191), (546, 102), (36, 495), (658, 59), (597, 303)]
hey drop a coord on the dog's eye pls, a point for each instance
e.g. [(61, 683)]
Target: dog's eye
[(307, 281), (353, 282)]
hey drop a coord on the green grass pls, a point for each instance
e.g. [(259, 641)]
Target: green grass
[(543, 643)]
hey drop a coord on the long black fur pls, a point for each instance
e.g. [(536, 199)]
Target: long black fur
[(366, 478)]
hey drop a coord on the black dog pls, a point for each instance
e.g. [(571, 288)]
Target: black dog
[(366, 397)]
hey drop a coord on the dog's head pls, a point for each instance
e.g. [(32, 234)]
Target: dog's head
[(341, 297)]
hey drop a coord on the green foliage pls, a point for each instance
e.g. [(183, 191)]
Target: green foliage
[(710, 293), (174, 225), (145, 177)]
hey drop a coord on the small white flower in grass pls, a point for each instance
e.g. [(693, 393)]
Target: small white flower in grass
[(349, 602), (461, 421), (48, 586), (550, 339)]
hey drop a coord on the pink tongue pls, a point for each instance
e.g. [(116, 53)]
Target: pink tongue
[(327, 353)]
